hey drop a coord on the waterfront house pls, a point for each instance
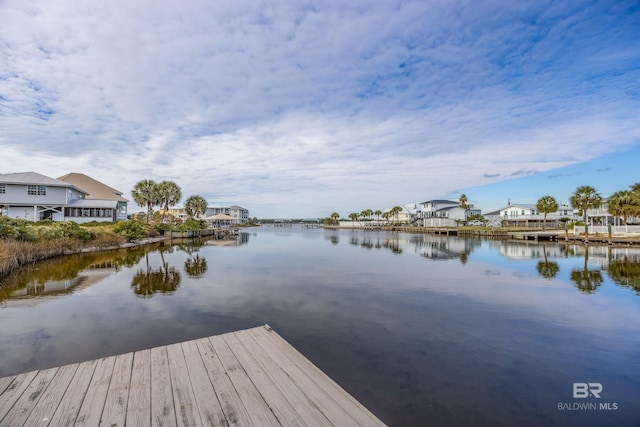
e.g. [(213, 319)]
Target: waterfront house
[(98, 196), (527, 215), (35, 197), (444, 213)]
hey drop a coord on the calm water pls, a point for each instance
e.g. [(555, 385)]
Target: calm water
[(423, 330)]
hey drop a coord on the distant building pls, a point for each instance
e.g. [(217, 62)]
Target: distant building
[(239, 214), (35, 197)]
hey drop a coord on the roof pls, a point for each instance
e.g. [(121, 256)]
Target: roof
[(520, 205), (93, 203), (33, 178), (439, 201), (219, 217), (95, 189)]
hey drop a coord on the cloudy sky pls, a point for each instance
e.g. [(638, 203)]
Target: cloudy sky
[(300, 109)]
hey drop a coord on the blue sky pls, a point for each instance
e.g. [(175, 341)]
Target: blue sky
[(300, 109)]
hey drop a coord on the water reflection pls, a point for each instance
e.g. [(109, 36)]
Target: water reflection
[(394, 244), (149, 281), (195, 266), (64, 275), (626, 272), (547, 269)]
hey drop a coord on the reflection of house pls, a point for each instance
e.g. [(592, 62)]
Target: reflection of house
[(526, 250), (527, 215), (36, 292), (441, 247), (36, 197), (444, 213)]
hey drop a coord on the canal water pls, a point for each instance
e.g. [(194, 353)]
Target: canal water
[(422, 329)]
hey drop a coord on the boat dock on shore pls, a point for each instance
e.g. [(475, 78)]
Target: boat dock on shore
[(246, 378)]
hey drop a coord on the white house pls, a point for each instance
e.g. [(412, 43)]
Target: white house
[(240, 215), (36, 197), (527, 214), (444, 213)]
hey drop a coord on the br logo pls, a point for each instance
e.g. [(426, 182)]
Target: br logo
[(584, 390)]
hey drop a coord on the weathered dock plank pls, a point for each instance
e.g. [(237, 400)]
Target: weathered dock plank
[(206, 399), (273, 397), (231, 403), (12, 393), (300, 402), (67, 414), (139, 405), (162, 409), (332, 409), (96, 394), (29, 398), (50, 399), (244, 378), (354, 408), (115, 405), (184, 399), (259, 411)]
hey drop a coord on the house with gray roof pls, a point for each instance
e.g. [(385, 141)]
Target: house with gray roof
[(36, 197)]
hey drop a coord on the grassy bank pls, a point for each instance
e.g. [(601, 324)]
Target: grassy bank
[(23, 242)]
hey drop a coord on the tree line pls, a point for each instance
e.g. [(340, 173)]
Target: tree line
[(148, 193), (623, 204)]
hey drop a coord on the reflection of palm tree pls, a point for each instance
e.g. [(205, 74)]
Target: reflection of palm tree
[(195, 266), (547, 269), (464, 257), (586, 280), (147, 282), (626, 272)]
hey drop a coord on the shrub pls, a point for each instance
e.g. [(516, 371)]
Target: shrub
[(131, 229), (193, 224)]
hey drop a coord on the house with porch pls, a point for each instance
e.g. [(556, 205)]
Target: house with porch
[(444, 213), (527, 215), (35, 197)]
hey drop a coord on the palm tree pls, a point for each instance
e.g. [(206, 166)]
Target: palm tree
[(195, 206), (334, 217), (585, 197), (386, 216), (463, 202), (354, 216), (378, 213), (395, 211), (625, 204), (170, 194), (145, 193), (546, 205)]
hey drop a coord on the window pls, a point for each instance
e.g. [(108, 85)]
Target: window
[(3, 188), (37, 190)]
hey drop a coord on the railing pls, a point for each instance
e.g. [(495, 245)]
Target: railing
[(603, 229)]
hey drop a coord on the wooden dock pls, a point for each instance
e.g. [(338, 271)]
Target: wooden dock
[(246, 378)]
